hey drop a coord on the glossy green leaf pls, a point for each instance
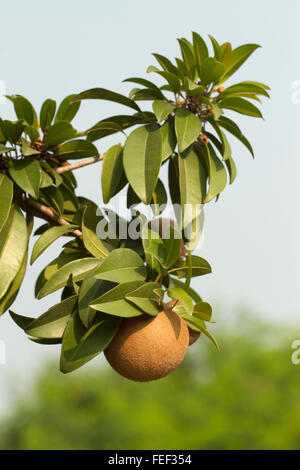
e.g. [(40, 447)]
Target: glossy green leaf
[(165, 63), (6, 197), (192, 180), (20, 320), (122, 265), (52, 323), (231, 127), (200, 50), (225, 53), (79, 268), (24, 109), (112, 170), (187, 128), (13, 248), (162, 109), (246, 87), (200, 267), (59, 133), (142, 159), (179, 294), (172, 79), (103, 94), (216, 172), (173, 245), (231, 167), (145, 298), (67, 110), (47, 114), (155, 250), (47, 238), (90, 289), (12, 131), (80, 345), (90, 238), (188, 56), (144, 82), (11, 294), (192, 88), (226, 149), (241, 106), (113, 302), (76, 149), (203, 311), (192, 293), (159, 198), (238, 57), (53, 197), (168, 138), (211, 71)]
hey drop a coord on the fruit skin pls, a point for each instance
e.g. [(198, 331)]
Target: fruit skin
[(221, 89), (148, 348), (194, 335)]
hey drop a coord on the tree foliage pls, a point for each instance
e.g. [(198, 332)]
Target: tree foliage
[(187, 131)]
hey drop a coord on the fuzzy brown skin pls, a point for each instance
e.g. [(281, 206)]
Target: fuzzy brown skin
[(194, 335), (148, 348)]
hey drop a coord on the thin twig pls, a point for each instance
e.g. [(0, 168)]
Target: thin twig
[(45, 213), (74, 166)]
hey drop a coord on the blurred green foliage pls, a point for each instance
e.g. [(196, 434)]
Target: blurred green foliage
[(246, 397)]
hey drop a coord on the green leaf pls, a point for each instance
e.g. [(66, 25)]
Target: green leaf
[(165, 63), (112, 170), (192, 293), (67, 110), (200, 267), (188, 56), (216, 172), (231, 127), (226, 149), (113, 302), (13, 247), (90, 239), (27, 175), (145, 298), (52, 323), (200, 50), (79, 268), (246, 87), (20, 320), (90, 289), (162, 109), (12, 131), (49, 237), (144, 82), (173, 244), (173, 80), (159, 198), (53, 197), (168, 138), (103, 94), (24, 109), (187, 128), (192, 180), (122, 265), (216, 47), (80, 345), (142, 159), (231, 167), (225, 53), (203, 311), (241, 106), (27, 150), (58, 133), (155, 250), (179, 294), (192, 88), (76, 149), (238, 57), (14, 288), (47, 114), (211, 71), (6, 196)]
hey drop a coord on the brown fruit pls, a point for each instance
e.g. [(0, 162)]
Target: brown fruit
[(162, 226), (148, 348), (194, 335)]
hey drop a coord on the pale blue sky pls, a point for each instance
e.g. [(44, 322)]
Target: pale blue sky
[(252, 234)]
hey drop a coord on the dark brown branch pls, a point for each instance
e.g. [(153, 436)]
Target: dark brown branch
[(45, 213)]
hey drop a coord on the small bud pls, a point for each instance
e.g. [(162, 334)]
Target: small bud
[(221, 89)]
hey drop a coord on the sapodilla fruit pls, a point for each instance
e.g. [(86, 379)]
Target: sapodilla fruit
[(162, 226), (193, 335), (148, 348)]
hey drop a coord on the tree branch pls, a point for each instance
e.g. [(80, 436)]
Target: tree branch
[(45, 213), (74, 166)]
